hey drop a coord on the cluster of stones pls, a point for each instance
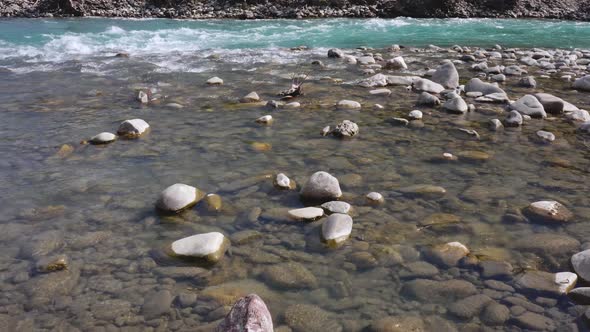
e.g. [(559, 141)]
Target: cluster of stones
[(133, 128)]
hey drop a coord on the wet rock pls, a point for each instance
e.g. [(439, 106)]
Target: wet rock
[(213, 202), (266, 119), (103, 138), (582, 84), (306, 214), (546, 243), (529, 105), (321, 186), (292, 105), (528, 82), (156, 304), (309, 318), (380, 92), (132, 128), (578, 116), (374, 198), (496, 125), (456, 105), (544, 282), (46, 287), (545, 136), (401, 121), (475, 84), (52, 263), (446, 74), (473, 156), (336, 229), (335, 53), (185, 299), (348, 104), (281, 181), (495, 314), (230, 292), (432, 291), (346, 128), (495, 269), (248, 314), (365, 60), (326, 131), (110, 309), (42, 244), (548, 211), (448, 254), (427, 86), (252, 97), (580, 295), (534, 322), (499, 78), (419, 269), (581, 264), (289, 275), (423, 190), (397, 324), (552, 104), (584, 127), (336, 207), (415, 115), (514, 119), (208, 246), (181, 272), (469, 307), (215, 81), (363, 260), (426, 99), (178, 197), (396, 63), (143, 97)]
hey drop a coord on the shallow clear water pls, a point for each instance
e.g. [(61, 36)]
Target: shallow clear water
[(96, 203)]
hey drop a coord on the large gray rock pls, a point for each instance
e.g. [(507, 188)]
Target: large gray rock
[(544, 282), (582, 83), (578, 116), (456, 105), (321, 186), (208, 246), (178, 197), (248, 314), (581, 264), (446, 74), (335, 53), (527, 82), (133, 128), (336, 229), (580, 295), (495, 314), (346, 128), (470, 306), (529, 105), (514, 119), (426, 99), (396, 63), (477, 85), (547, 244), (448, 254), (553, 104), (428, 86)]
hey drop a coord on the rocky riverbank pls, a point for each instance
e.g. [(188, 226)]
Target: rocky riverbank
[(262, 9)]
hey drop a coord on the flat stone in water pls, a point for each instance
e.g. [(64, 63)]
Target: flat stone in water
[(156, 304), (548, 211), (448, 254), (375, 198), (336, 207), (431, 291), (350, 104), (548, 243), (545, 136), (397, 324), (306, 214), (470, 306), (133, 128), (281, 181), (309, 318), (382, 92), (289, 275), (208, 246), (215, 81), (423, 190), (544, 282), (103, 138), (178, 197), (336, 229)]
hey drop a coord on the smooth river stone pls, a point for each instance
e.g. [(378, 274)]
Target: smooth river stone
[(321, 186), (281, 181), (529, 105), (252, 97), (545, 282), (248, 314), (265, 119), (336, 229), (178, 197), (448, 254), (306, 214), (549, 211), (350, 104), (336, 207), (208, 246), (447, 75), (581, 264), (423, 190), (103, 138), (456, 105), (132, 128), (215, 81)]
